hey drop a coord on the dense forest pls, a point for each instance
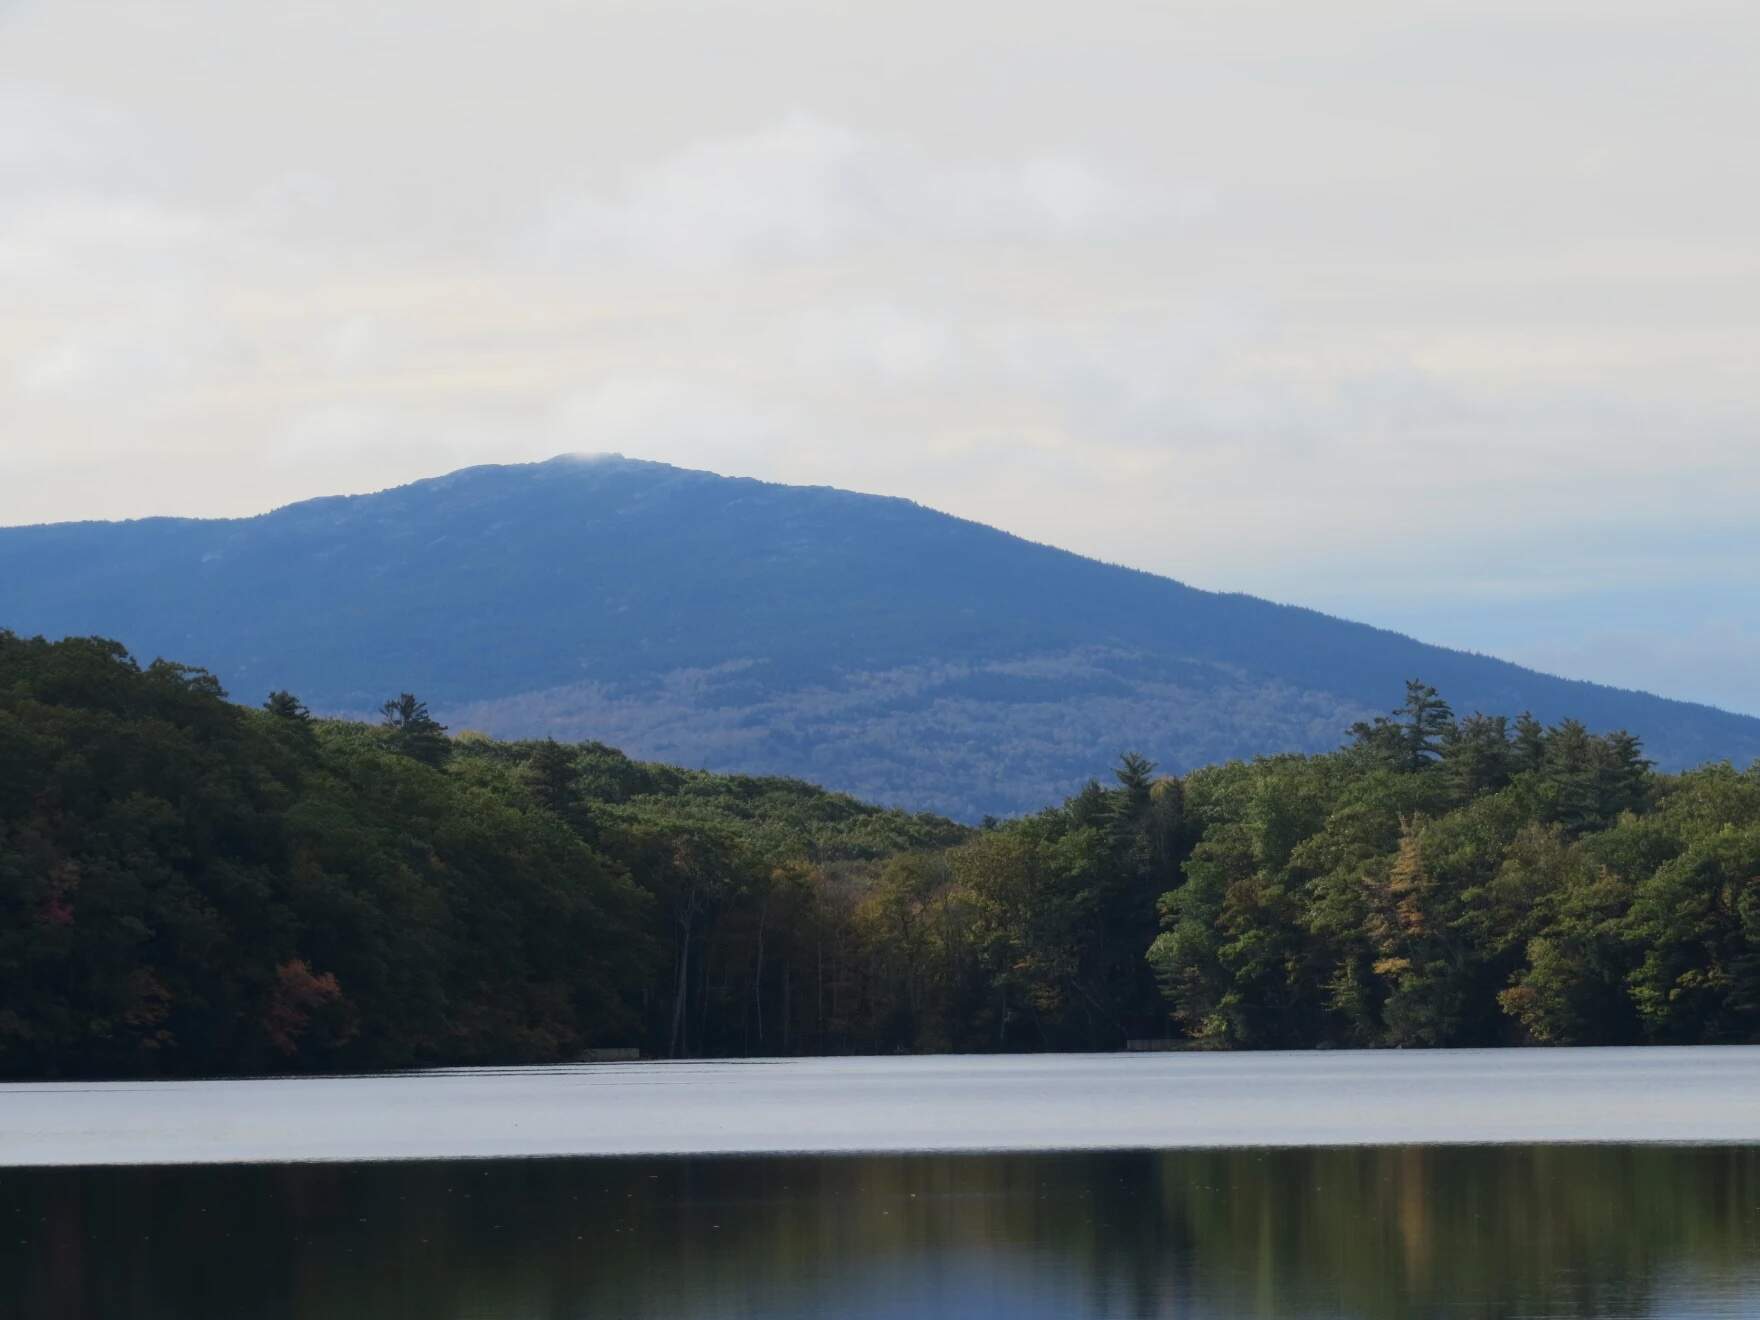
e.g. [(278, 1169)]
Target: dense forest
[(193, 886)]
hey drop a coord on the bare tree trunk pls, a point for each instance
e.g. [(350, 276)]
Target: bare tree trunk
[(758, 970), (703, 998), (675, 1040), (837, 981)]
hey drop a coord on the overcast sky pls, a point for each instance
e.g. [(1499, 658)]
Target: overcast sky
[(1442, 316)]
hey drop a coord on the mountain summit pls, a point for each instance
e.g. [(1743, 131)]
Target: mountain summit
[(867, 643)]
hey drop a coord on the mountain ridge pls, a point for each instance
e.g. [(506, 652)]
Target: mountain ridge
[(867, 642)]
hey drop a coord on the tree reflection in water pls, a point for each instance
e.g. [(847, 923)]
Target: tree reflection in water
[(1557, 1231)]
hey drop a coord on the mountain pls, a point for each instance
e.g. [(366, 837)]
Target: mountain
[(866, 643)]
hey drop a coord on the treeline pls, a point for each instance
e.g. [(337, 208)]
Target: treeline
[(1471, 882), (190, 886)]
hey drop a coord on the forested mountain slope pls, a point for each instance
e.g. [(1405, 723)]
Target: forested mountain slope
[(866, 643), (192, 886), (189, 886)]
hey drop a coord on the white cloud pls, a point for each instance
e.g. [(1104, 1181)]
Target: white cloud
[(50, 141), (80, 196), (805, 188), (880, 340), (148, 353)]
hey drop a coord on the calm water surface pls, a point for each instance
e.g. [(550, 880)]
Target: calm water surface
[(1604, 1183), (988, 1102), (1494, 1231)]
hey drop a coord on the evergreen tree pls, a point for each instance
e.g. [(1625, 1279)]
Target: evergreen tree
[(553, 777), (1427, 723), (1380, 741), (1477, 755), (1622, 775), (286, 706), (1413, 736), (1092, 807), (1136, 777), (1570, 774), (414, 732), (1529, 747)]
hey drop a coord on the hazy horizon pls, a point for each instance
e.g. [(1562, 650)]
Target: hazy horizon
[(1437, 319)]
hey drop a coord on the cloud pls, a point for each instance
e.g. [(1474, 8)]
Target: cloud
[(656, 416), (147, 353), (881, 340), (50, 141), (78, 187), (805, 188)]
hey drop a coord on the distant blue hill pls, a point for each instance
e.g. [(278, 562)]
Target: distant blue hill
[(869, 644)]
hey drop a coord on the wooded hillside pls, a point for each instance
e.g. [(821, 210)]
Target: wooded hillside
[(191, 886)]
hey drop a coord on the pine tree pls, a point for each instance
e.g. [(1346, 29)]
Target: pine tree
[(286, 706), (1413, 736), (1529, 747), (1092, 807), (1477, 755), (414, 732), (1428, 722), (1130, 804), (1622, 774), (553, 777), (1572, 758), (1381, 740)]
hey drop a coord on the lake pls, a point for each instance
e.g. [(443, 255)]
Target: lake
[(908, 1103), (1612, 1183)]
